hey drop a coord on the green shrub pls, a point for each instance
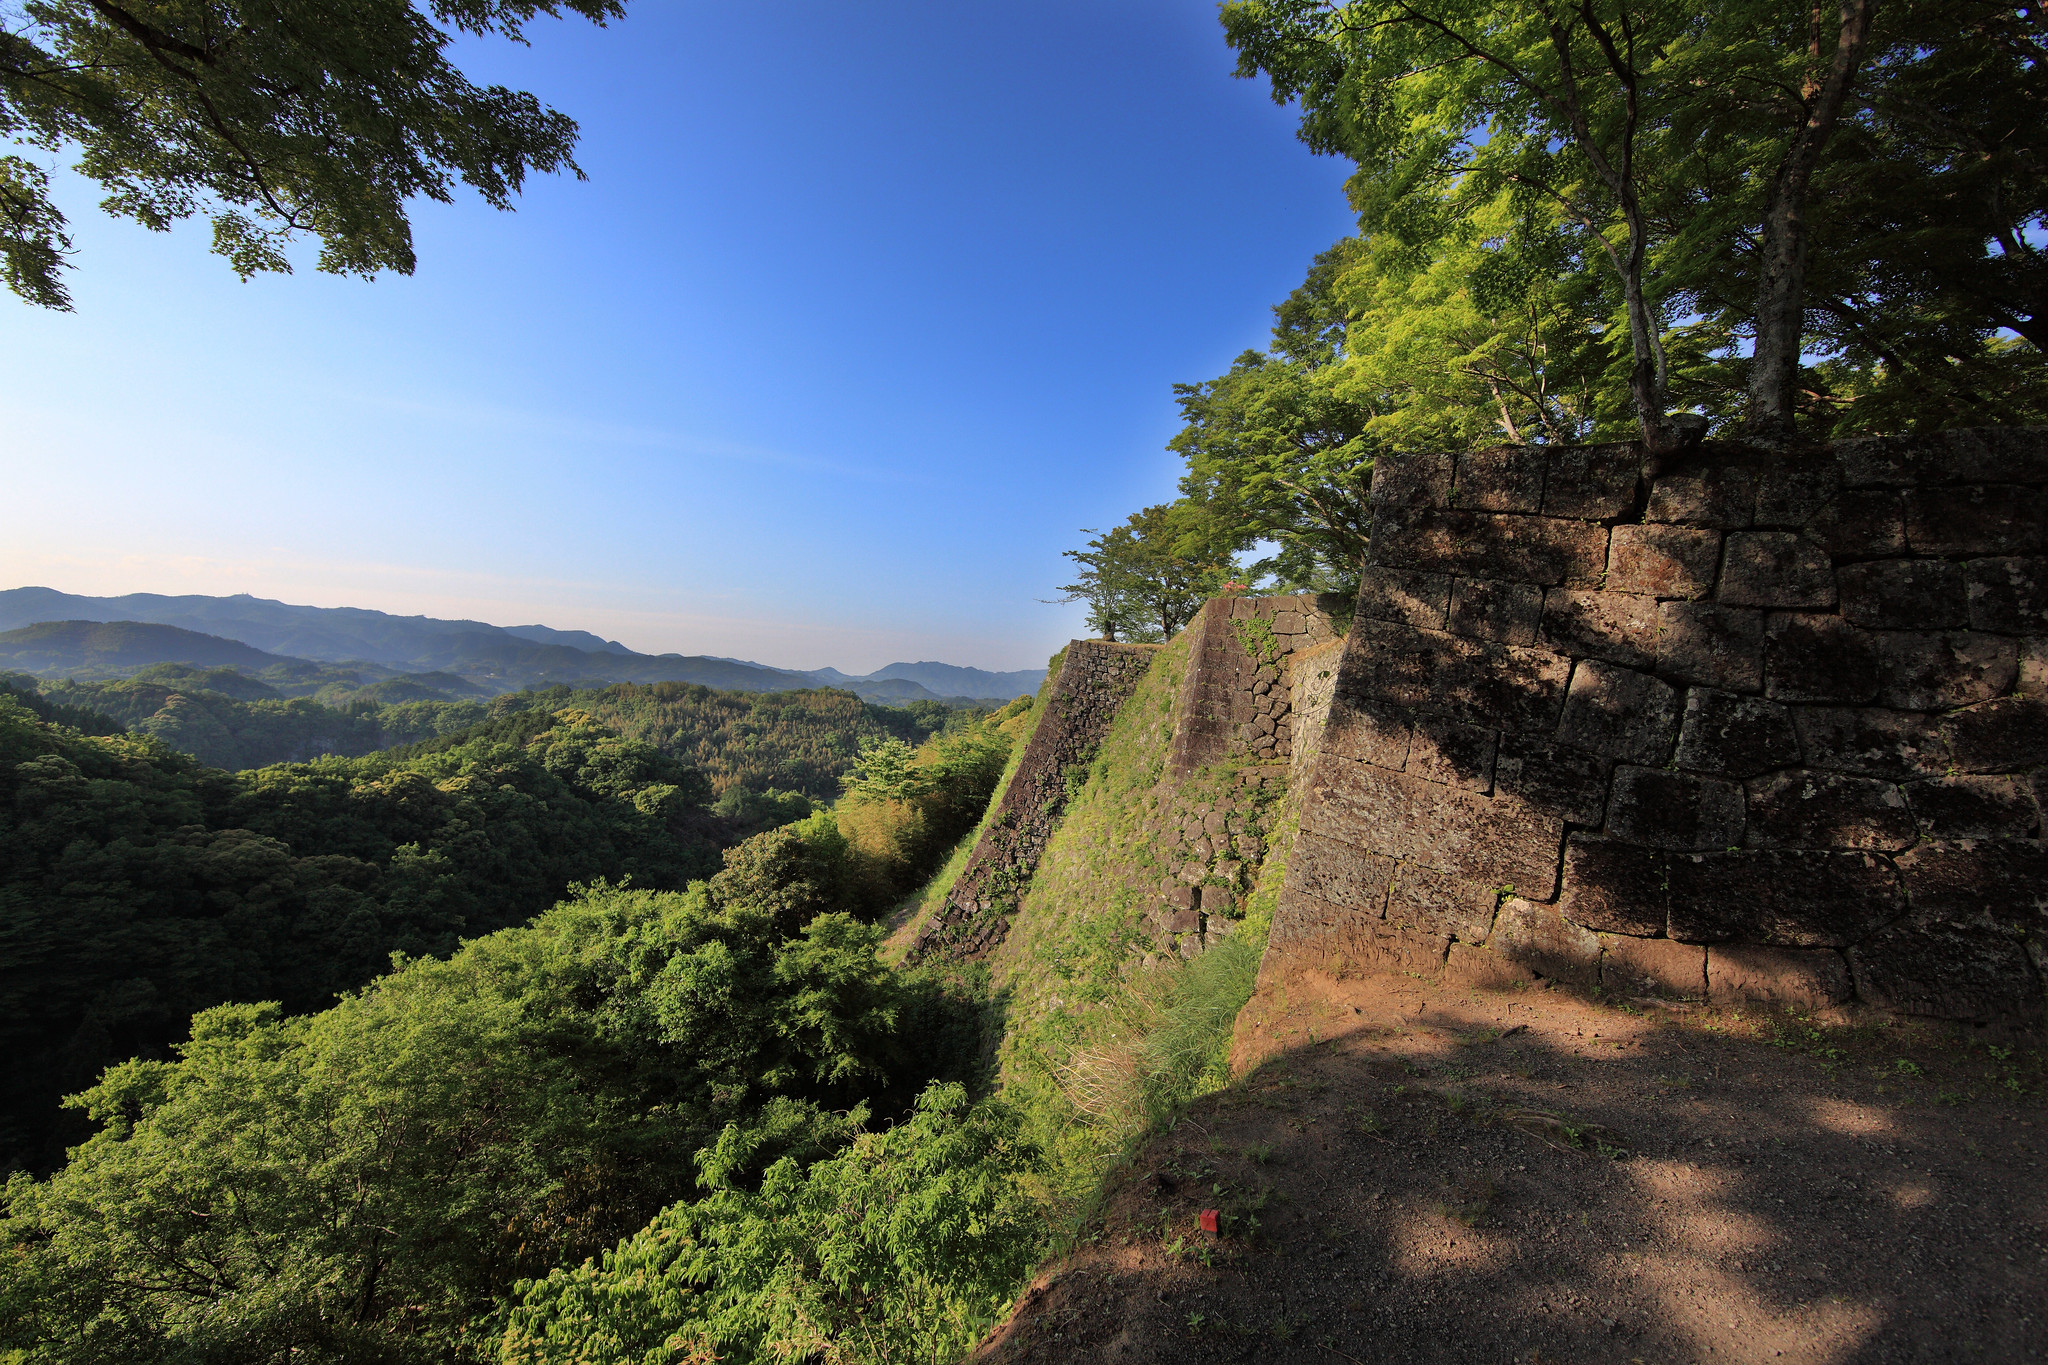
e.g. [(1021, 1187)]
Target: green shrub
[(905, 1246)]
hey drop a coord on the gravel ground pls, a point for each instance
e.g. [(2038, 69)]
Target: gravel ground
[(1408, 1172)]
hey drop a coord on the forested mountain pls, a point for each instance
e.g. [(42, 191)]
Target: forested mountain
[(94, 649), (377, 645)]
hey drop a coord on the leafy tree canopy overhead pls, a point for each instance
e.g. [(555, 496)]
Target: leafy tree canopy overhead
[(1852, 179), (270, 117)]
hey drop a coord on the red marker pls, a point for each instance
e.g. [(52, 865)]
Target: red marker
[(1211, 1219)]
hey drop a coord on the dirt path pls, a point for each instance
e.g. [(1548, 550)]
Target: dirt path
[(1414, 1173)]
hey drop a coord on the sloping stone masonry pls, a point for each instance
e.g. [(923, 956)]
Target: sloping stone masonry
[(1234, 702), (1095, 679), (1756, 727), (1228, 759), (1237, 722)]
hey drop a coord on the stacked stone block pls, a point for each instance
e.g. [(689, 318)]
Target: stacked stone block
[(1096, 677), (1255, 666), (1236, 702), (1753, 727)]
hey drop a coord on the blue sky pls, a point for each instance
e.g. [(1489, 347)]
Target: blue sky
[(863, 312)]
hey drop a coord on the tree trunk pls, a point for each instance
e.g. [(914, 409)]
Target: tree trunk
[(1781, 255)]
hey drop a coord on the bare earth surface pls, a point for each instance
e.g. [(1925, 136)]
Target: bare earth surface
[(1409, 1171)]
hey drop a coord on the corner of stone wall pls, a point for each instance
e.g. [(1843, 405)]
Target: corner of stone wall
[(1754, 727)]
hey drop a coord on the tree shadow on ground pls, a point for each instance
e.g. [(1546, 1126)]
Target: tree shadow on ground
[(1413, 1172)]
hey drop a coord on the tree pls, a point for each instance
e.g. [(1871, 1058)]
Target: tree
[(370, 1183), (1494, 336), (1923, 276), (271, 117), (1148, 577), (1445, 104), (905, 1246)]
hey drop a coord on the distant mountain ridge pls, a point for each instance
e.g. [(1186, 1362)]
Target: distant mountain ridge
[(494, 658)]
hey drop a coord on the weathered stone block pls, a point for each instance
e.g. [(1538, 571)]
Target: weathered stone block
[(1974, 808), (1614, 887), (1775, 569), (1472, 680), (1808, 809), (1340, 873), (1867, 740), (1860, 523), (1592, 483), (1674, 810), (1929, 672), (1538, 938), (1545, 550), (2008, 595), (1781, 898), (1453, 753), (1492, 609), (1616, 626), (1663, 561), (1653, 966), (1619, 713), (1440, 902), (1966, 455), (1793, 490), (1346, 939), (1411, 480), (1570, 784), (1808, 978), (1482, 969), (1288, 623), (1369, 732), (1819, 658), (1994, 519), (1502, 479), (1719, 495), (1998, 736), (2008, 881), (1180, 896), (1948, 970), (1498, 842), (1712, 645), (1905, 594), (1735, 736), (1217, 900)]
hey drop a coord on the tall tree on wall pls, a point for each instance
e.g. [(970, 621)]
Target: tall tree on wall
[(271, 117), (1584, 107)]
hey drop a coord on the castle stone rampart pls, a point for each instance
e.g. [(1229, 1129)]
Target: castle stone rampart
[(1754, 727)]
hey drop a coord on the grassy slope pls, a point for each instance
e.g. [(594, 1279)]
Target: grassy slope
[(1105, 1036)]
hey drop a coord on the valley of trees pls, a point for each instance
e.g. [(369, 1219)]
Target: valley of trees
[(745, 742), (1584, 222), (408, 1084)]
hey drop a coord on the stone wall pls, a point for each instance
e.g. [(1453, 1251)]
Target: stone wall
[(1234, 703), (1094, 680), (1232, 739), (1752, 727)]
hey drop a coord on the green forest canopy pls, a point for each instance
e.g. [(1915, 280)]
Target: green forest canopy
[(379, 1178)]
